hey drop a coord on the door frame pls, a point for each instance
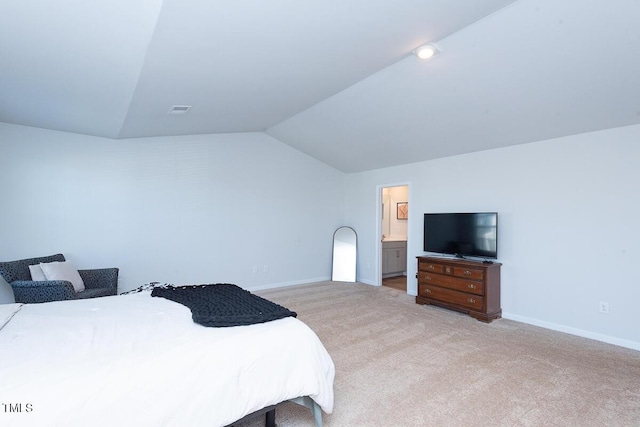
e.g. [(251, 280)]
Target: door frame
[(378, 232)]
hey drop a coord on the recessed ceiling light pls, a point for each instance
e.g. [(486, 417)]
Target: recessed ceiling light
[(179, 109), (426, 51)]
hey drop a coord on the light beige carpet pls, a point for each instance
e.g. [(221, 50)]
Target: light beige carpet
[(403, 364)]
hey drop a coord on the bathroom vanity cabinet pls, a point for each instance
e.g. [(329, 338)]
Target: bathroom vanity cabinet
[(394, 258)]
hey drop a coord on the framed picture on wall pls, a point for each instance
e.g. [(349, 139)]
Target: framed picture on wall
[(403, 210)]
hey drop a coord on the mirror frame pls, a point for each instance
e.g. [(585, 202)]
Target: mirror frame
[(345, 254)]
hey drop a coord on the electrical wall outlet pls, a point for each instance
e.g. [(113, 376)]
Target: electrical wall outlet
[(603, 307)]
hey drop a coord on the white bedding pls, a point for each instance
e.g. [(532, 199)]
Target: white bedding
[(137, 360)]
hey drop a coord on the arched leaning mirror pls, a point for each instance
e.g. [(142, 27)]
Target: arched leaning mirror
[(345, 245)]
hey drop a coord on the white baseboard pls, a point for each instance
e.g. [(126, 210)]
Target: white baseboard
[(574, 331), (292, 283)]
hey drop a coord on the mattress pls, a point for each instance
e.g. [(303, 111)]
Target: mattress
[(138, 360)]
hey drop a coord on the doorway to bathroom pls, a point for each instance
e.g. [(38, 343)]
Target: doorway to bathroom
[(394, 226)]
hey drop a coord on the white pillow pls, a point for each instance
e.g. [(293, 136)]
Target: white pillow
[(63, 271), (36, 273)]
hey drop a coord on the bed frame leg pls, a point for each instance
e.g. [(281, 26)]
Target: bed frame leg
[(311, 404), (317, 414), (270, 418)]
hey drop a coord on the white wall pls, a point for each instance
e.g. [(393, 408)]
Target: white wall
[(193, 209), (202, 209), (568, 225)]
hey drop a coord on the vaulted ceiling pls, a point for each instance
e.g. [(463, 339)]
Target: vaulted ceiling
[(333, 78)]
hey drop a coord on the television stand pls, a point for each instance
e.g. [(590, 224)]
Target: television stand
[(467, 286)]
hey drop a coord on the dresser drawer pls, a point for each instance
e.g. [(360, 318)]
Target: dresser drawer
[(469, 273), (458, 284), (451, 282), (427, 266), (449, 296)]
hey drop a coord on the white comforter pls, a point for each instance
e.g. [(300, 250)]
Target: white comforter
[(135, 360)]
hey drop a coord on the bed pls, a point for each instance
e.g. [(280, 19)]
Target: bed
[(141, 360)]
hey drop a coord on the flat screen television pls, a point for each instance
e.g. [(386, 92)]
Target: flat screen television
[(462, 234)]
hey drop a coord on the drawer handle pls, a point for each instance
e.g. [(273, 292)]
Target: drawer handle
[(431, 267), (428, 291), (467, 273), (471, 300), (427, 277), (472, 286)]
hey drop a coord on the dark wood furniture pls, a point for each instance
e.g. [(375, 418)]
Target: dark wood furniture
[(467, 286)]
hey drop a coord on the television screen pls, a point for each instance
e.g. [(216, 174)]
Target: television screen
[(462, 234)]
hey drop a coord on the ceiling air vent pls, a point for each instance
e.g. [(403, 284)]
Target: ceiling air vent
[(179, 109)]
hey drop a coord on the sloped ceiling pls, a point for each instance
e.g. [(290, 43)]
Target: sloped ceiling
[(333, 78)]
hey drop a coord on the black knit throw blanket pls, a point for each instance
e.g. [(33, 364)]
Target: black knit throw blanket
[(223, 304)]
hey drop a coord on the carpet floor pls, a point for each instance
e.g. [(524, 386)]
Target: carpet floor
[(403, 364)]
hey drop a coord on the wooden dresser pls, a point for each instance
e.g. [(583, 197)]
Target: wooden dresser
[(467, 286)]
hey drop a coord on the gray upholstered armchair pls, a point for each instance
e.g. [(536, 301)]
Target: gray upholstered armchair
[(98, 283)]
